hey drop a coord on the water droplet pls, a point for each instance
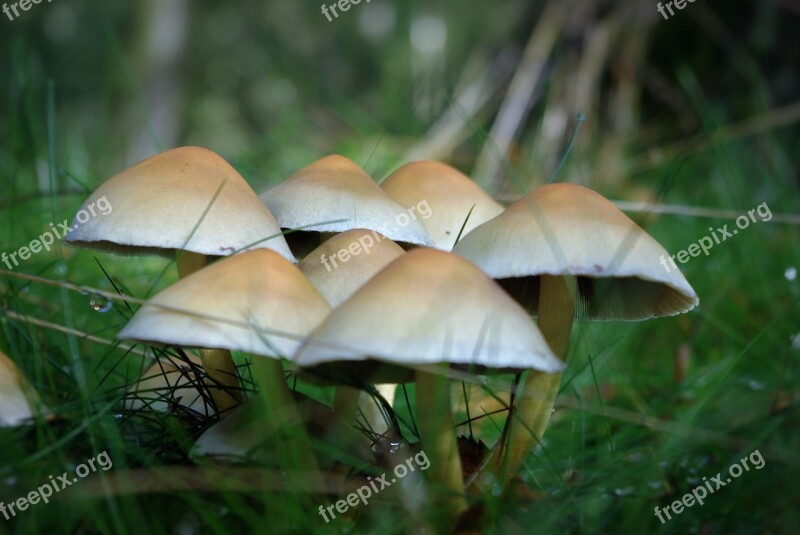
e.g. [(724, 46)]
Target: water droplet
[(11, 481), (655, 485), (100, 303), (61, 268), (790, 274), (796, 342), (26, 289), (693, 480)]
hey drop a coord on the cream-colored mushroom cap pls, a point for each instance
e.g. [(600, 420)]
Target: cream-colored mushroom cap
[(335, 188), (565, 229), (166, 384), (256, 302), (344, 263), (430, 307), (445, 196), (155, 207), (16, 394)]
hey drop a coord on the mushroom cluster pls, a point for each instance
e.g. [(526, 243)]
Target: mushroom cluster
[(384, 294)]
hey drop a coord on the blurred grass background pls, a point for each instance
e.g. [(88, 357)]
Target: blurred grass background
[(700, 110)]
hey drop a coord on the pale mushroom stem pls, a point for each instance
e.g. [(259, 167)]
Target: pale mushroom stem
[(437, 432), (345, 403), (348, 402), (222, 379), (536, 399), (373, 413), (283, 420)]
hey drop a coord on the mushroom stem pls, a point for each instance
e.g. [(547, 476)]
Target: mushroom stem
[(536, 399), (373, 412), (437, 432), (284, 424), (221, 377), (349, 402), (345, 403)]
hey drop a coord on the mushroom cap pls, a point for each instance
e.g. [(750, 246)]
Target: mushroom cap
[(448, 195), (335, 188), (165, 383), (256, 302), (369, 252), (430, 307), (155, 206), (566, 229), (16, 394)]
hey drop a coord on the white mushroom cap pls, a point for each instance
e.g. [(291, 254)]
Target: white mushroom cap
[(154, 207), (16, 395), (365, 253), (430, 307), (447, 194), (565, 229), (165, 383), (335, 188), (256, 302)]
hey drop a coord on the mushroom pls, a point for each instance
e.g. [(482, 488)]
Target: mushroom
[(426, 310), (361, 254), (334, 194), (18, 401), (191, 203), (166, 385), (565, 252), (451, 198), (342, 264), (262, 305)]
